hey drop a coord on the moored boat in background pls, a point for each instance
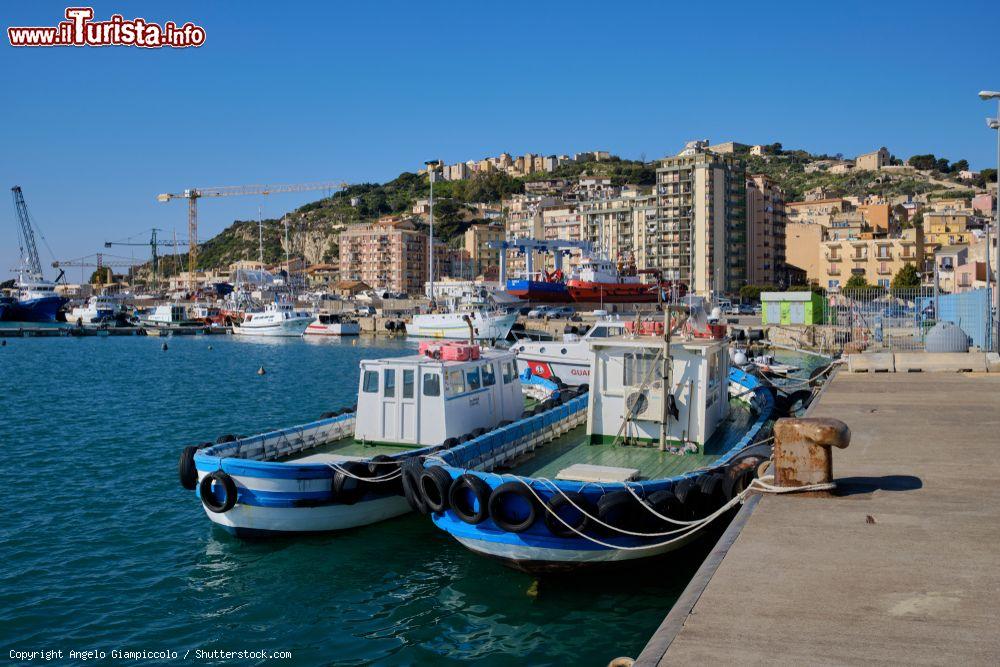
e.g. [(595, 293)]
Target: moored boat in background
[(333, 324), (276, 319)]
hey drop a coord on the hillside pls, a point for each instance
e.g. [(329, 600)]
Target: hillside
[(314, 227)]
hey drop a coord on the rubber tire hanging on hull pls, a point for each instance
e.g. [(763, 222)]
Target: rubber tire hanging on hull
[(411, 486), (497, 510), (566, 501), (435, 483), (346, 489), (186, 470), (480, 491), (208, 498)]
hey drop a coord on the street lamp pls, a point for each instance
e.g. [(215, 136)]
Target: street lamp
[(994, 124), (431, 171)]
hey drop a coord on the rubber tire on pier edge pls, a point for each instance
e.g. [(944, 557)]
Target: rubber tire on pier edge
[(208, 498), (497, 510), (479, 489), (186, 470), (435, 482), (346, 489), (411, 486), (561, 501)]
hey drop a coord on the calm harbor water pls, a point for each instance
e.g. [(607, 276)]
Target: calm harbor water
[(103, 550)]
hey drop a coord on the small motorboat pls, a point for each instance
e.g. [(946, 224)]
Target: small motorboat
[(276, 319), (333, 324), (350, 468)]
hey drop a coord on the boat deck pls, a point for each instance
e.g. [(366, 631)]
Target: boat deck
[(346, 449), (573, 448)]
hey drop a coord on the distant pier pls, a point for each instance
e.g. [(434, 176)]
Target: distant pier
[(900, 566)]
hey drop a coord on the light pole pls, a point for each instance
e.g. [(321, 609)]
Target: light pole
[(994, 124), (431, 171)]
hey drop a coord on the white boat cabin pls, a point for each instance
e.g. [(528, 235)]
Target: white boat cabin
[(420, 401), (627, 390), (168, 314)]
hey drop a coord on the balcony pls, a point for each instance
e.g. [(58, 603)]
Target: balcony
[(834, 258)]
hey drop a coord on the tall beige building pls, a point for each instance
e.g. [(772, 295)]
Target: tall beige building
[(476, 240), (765, 232), (390, 255), (618, 226), (700, 236)]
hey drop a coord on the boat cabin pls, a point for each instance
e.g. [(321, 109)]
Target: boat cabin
[(168, 314), (419, 401), (628, 402)]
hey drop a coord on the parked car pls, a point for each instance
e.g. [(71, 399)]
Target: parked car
[(562, 311), (524, 311), (745, 309), (365, 311), (539, 312), (599, 313)]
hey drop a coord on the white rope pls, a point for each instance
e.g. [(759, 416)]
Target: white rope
[(764, 487), (384, 478)]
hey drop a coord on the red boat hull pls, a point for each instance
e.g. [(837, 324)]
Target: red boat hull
[(589, 292)]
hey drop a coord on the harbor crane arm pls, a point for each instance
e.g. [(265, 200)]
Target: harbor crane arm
[(194, 194), (29, 252)]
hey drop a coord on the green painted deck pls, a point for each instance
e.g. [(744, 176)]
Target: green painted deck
[(574, 447), (341, 449)]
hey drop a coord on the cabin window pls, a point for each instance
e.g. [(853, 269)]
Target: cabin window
[(473, 379), (456, 382), (508, 372), (390, 383), (432, 384), (639, 368), (489, 377), (371, 382), (407, 384)]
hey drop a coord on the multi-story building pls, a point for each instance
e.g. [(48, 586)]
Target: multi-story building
[(390, 255), (875, 259), (765, 232), (817, 211), (700, 236), (484, 259), (947, 227), (802, 248), (619, 226), (524, 220)]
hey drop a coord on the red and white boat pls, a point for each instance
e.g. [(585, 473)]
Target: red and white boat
[(598, 280)]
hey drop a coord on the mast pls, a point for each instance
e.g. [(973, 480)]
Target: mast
[(260, 237)]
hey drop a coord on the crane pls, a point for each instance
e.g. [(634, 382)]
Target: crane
[(194, 194), (29, 251), (154, 244), (97, 260)]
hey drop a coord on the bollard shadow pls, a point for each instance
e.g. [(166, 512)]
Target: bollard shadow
[(852, 486)]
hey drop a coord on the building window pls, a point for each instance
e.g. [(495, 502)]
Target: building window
[(833, 284)]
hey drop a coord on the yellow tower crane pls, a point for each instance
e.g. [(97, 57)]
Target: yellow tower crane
[(194, 194)]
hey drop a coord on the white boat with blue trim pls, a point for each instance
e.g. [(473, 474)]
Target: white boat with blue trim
[(346, 469), (666, 439)]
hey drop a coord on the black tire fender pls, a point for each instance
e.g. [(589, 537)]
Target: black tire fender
[(208, 497), (480, 491), (411, 486), (435, 483), (186, 469), (499, 515), (229, 437), (345, 488), (621, 510), (560, 503)]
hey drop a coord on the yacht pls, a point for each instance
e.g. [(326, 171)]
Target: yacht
[(277, 319), (333, 324), (475, 306)]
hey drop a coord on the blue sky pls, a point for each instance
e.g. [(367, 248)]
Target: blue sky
[(305, 91)]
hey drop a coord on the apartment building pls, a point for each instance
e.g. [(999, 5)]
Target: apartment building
[(876, 259), (390, 255), (482, 258), (525, 220), (621, 226), (765, 232), (818, 211), (947, 227), (803, 241), (700, 235)]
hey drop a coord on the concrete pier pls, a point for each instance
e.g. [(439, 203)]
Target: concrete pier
[(901, 565)]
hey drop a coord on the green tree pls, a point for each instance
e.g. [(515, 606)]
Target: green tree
[(924, 162), (101, 276), (961, 165), (906, 277)]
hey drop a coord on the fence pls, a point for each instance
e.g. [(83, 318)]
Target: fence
[(879, 319)]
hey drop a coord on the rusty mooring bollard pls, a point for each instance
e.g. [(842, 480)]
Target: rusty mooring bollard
[(802, 453)]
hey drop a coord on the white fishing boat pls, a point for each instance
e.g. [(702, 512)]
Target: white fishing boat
[(169, 318), (486, 325), (348, 468), (96, 308), (333, 324), (277, 319)]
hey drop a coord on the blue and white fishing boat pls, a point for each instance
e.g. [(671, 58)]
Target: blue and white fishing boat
[(665, 440), (350, 468)]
